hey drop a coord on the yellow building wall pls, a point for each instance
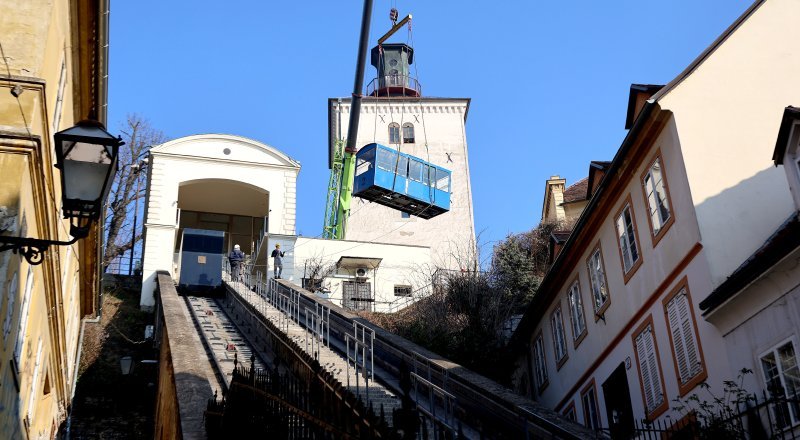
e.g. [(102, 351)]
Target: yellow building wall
[(45, 306)]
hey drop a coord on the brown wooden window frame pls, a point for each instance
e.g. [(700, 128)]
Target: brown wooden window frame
[(591, 386), (577, 338), (656, 237), (563, 359), (702, 375), (664, 405), (627, 275), (540, 387), (598, 311), (570, 413)]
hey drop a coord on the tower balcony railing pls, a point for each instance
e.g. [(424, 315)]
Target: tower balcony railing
[(394, 85)]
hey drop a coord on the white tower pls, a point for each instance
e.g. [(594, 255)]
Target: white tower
[(434, 129)]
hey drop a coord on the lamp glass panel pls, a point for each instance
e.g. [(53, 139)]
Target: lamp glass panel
[(85, 170)]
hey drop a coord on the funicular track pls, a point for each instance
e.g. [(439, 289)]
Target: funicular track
[(451, 400)]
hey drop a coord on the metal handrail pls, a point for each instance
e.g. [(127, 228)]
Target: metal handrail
[(381, 82)]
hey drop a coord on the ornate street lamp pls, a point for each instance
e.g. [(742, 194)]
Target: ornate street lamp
[(86, 154)]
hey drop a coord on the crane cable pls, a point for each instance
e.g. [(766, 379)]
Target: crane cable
[(431, 192)]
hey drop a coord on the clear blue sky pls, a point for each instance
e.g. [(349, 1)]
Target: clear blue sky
[(548, 80)]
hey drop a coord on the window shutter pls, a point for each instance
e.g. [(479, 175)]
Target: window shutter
[(648, 364), (683, 337)]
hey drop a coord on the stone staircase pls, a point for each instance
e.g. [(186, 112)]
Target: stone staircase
[(374, 394)]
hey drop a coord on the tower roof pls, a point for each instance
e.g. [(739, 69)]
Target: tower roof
[(375, 54)]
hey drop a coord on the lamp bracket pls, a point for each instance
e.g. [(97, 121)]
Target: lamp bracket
[(32, 249)]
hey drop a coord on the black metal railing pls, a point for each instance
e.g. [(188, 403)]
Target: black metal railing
[(753, 417), (266, 404), (400, 81)]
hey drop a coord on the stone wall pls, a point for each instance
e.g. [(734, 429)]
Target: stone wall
[(183, 385)]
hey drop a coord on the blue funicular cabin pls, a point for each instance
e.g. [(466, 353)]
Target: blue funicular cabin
[(201, 260), (401, 181)]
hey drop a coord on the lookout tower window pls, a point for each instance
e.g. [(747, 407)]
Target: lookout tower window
[(394, 133), (408, 133)]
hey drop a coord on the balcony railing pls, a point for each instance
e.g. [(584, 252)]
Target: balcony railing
[(410, 85)]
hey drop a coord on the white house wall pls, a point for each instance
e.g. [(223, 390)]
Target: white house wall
[(761, 316), (400, 265), (677, 256), (728, 112), (204, 157), (449, 234)]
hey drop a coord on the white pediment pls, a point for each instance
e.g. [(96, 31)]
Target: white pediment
[(227, 148)]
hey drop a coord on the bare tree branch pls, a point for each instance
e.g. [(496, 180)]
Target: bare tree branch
[(129, 186)]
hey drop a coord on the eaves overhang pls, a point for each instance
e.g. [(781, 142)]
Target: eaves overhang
[(784, 241)]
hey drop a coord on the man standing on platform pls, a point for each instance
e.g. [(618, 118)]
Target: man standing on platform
[(277, 255), (236, 257)]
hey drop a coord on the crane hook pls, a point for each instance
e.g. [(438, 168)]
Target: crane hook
[(393, 14)]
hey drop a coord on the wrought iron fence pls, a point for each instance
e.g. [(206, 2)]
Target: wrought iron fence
[(265, 404), (753, 417)]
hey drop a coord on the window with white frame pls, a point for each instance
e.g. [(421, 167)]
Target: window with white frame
[(782, 377), (394, 133), (62, 83), (12, 297), (559, 339), (597, 277), (576, 311), (408, 133), (655, 191), (23, 317), (649, 369), (685, 345), (590, 414), (35, 382), (626, 231), (539, 366)]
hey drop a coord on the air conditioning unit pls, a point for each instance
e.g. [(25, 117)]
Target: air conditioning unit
[(361, 272)]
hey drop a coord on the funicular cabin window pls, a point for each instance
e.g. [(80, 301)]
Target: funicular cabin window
[(387, 159), (202, 243), (442, 180), (401, 166), (415, 168), (394, 133), (364, 162), (408, 133)]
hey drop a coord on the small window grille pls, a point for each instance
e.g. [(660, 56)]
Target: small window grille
[(402, 290)]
